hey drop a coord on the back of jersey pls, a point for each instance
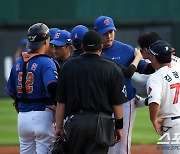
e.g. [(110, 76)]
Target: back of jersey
[(175, 61), (39, 72), (163, 88)]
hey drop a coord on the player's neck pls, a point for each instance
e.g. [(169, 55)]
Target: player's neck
[(164, 64), (40, 50)]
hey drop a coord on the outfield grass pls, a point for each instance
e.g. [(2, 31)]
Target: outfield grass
[(143, 131), (8, 123)]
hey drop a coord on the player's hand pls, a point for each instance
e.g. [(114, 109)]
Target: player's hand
[(118, 134), (59, 132), (139, 101), (158, 125), (138, 54)]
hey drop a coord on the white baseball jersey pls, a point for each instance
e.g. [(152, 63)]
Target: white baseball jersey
[(175, 61), (139, 80), (163, 87)]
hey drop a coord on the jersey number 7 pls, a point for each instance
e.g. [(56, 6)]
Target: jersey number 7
[(177, 86)]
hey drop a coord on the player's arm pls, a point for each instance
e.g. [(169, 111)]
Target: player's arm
[(60, 111), (153, 110), (154, 91), (157, 122), (61, 94), (51, 87), (118, 114), (145, 67), (11, 89), (138, 57), (129, 71), (149, 69), (140, 101), (117, 93), (50, 77)]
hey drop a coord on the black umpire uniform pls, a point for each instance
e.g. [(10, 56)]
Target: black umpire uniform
[(89, 91)]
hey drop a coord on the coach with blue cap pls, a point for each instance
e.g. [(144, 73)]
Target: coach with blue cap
[(52, 32), (62, 46), (50, 51)]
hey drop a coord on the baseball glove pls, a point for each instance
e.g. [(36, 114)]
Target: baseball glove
[(57, 147)]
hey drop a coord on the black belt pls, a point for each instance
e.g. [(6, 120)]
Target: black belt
[(173, 118), (94, 112)]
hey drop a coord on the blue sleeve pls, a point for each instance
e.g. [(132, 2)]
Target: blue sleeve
[(142, 66), (11, 84), (49, 73)]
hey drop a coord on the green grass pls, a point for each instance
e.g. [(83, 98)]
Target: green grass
[(8, 123), (143, 131)]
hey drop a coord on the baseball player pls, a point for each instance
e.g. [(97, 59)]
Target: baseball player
[(163, 93), (32, 83), (139, 80), (123, 54), (77, 35), (50, 51), (62, 45)]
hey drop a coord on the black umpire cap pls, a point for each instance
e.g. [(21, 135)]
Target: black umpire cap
[(37, 34), (92, 41)]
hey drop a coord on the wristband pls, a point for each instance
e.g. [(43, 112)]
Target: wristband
[(119, 123), (146, 101)]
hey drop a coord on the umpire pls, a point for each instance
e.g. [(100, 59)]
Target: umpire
[(89, 91)]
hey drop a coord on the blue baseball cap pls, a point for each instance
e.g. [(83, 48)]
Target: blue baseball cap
[(62, 37), (161, 50), (103, 24), (78, 33), (52, 32)]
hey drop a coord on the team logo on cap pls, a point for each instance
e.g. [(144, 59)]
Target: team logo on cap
[(32, 38), (106, 22), (57, 35), (167, 48), (69, 40), (75, 35)]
